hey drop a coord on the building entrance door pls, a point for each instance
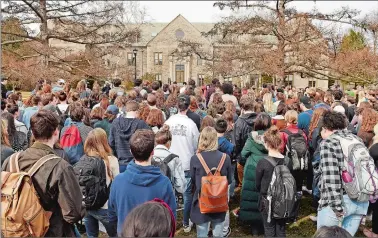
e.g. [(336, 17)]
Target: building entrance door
[(180, 72)]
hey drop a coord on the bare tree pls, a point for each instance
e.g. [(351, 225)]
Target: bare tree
[(95, 24), (277, 39)]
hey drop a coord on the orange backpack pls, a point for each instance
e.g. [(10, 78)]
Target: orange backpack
[(213, 197), (21, 212)]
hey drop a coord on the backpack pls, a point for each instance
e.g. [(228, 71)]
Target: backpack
[(21, 212), (361, 168), (213, 196), (91, 174), (283, 200), (296, 150), (72, 144), (163, 165)]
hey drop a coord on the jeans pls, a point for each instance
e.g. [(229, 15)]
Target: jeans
[(350, 222), (91, 223), (227, 218), (275, 228), (232, 185), (188, 198), (203, 229)]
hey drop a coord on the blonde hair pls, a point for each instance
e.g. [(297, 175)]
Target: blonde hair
[(291, 117), (375, 138), (208, 140), (4, 133), (96, 144), (268, 102)]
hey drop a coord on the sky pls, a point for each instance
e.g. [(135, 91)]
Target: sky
[(203, 11)]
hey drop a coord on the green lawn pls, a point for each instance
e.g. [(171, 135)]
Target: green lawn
[(304, 227)]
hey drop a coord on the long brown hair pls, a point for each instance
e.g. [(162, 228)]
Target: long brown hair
[(96, 144), (4, 133), (316, 117), (369, 120)]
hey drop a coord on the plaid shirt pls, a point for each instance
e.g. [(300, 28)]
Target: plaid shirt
[(331, 160)]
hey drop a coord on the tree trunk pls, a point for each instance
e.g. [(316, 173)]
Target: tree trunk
[(280, 5), (44, 32)]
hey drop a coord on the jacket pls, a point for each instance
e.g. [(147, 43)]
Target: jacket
[(121, 131), (243, 126), (179, 181), (253, 151), (27, 114), (285, 136), (57, 187), (225, 146), (137, 185), (209, 92), (185, 136), (103, 124), (6, 151)]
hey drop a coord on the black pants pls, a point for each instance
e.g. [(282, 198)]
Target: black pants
[(299, 176), (374, 208), (275, 228)]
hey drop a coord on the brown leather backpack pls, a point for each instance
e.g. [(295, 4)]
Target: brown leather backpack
[(213, 197), (21, 212)]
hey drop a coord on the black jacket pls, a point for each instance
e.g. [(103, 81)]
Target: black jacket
[(195, 118), (57, 187), (243, 126)]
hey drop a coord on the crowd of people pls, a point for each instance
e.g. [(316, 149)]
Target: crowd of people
[(130, 159)]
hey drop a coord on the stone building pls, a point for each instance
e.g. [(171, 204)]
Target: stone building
[(157, 53)]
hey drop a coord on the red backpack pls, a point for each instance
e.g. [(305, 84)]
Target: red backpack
[(72, 144)]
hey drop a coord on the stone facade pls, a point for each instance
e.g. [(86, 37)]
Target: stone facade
[(161, 40)]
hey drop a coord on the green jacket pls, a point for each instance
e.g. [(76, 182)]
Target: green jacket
[(103, 124), (253, 151)]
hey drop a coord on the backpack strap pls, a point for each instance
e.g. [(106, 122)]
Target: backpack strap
[(13, 163), (169, 158), (287, 132), (221, 163), (204, 165), (58, 111), (271, 161), (41, 162)]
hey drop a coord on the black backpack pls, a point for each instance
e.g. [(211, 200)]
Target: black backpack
[(91, 173), (283, 200), (163, 165), (296, 150)]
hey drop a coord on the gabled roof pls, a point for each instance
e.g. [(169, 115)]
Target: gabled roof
[(200, 27)]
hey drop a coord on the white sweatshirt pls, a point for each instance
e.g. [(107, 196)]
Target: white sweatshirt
[(184, 138)]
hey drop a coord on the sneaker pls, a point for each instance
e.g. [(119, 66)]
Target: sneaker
[(235, 212), (313, 218), (228, 232), (188, 228)]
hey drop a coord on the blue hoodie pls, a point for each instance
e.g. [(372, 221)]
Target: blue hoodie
[(137, 185), (225, 146)]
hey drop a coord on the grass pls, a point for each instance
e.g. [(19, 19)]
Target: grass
[(304, 227)]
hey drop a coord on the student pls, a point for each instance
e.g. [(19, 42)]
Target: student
[(121, 131), (14, 110), (96, 147), (304, 118), (253, 151), (184, 144), (150, 219), (224, 145), (6, 149), (18, 140), (335, 207), (264, 172), (163, 140), (77, 116), (58, 188), (30, 111), (144, 180), (208, 149)]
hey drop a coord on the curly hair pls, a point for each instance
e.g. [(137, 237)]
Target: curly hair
[(227, 88), (316, 118), (171, 100), (144, 110), (230, 106), (369, 120), (193, 103), (207, 121), (217, 98), (334, 121), (155, 118)]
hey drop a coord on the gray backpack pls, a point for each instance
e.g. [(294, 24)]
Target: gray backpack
[(360, 166), (282, 193), (297, 150)]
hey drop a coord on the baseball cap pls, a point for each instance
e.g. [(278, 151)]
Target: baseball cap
[(112, 109), (60, 81), (305, 101), (339, 109)]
